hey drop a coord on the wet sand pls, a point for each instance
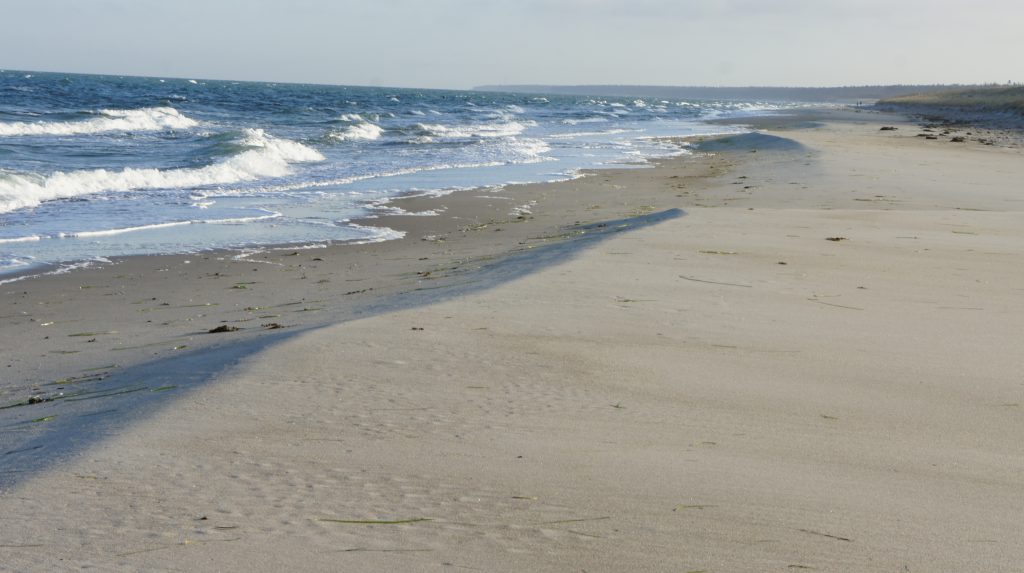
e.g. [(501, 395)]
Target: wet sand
[(817, 367)]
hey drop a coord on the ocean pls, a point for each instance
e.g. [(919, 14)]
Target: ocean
[(93, 167)]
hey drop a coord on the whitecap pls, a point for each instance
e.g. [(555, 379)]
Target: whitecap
[(265, 156), (576, 134), (110, 120), (27, 239), (585, 120), (359, 131), (479, 130)]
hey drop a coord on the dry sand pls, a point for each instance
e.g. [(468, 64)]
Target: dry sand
[(727, 391)]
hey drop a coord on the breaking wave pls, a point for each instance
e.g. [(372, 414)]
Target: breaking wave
[(109, 120), (263, 156), (362, 131), (470, 131)]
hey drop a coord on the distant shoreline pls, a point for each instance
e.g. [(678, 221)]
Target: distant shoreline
[(838, 94)]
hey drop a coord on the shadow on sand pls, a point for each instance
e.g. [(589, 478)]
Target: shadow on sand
[(104, 402)]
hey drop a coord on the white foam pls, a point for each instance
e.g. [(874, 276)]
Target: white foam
[(151, 227), (155, 226), (517, 151), (470, 131), (63, 269), (309, 247), (239, 220), (434, 193), (10, 263), (365, 131), (523, 210), (110, 120), (585, 120), (509, 151), (29, 239), (383, 207), (112, 232), (392, 211), (377, 234), (268, 156), (340, 181), (512, 152), (245, 254), (592, 133)]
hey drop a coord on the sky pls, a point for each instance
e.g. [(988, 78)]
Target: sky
[(459, 44)]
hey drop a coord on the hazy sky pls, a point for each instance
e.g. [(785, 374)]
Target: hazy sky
[(462, 43)]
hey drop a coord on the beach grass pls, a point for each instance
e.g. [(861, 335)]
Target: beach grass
[(991, 98)]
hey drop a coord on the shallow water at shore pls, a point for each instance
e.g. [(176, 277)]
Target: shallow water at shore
[(101, 166)]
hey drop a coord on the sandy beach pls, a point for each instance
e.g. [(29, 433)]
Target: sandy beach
[(796, 349)]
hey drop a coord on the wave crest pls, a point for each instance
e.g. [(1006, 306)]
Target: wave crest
[(110, 120), (364, 131), (471, 131), (264, 156)]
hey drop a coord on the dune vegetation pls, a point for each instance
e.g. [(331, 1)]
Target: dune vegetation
[(982, 99)]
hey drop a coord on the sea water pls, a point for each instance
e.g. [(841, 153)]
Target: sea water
[(98, 166)]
